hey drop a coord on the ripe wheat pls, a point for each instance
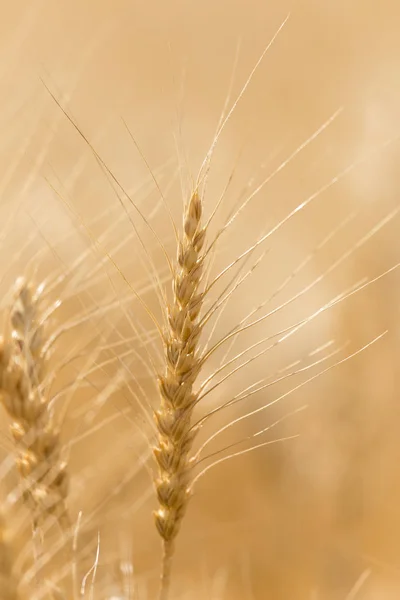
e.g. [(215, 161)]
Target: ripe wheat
[(157, 378), (174, 417), (24, 352)]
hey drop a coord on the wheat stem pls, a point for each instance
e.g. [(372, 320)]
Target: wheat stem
[(8, 581), (168, 552)]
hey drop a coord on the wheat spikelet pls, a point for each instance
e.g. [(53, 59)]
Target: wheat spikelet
[(22, 369), (176, 385)]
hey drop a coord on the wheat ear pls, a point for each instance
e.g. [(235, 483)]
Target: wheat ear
[(178, 398), (22, 369)]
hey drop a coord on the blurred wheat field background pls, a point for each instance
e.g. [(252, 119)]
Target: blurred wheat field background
[(315, 516)]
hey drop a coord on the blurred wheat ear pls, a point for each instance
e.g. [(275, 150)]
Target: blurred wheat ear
[(23, 357)]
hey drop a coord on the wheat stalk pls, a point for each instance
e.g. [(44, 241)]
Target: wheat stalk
[(182, 365), (8, 580), (23, 357)]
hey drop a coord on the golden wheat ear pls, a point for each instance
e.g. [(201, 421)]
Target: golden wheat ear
[(173, 418), (23, 358)]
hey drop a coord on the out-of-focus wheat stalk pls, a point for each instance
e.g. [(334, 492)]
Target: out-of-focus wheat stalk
[(8, 579)]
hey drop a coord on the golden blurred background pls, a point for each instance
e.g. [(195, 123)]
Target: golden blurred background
[(315, 517)]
